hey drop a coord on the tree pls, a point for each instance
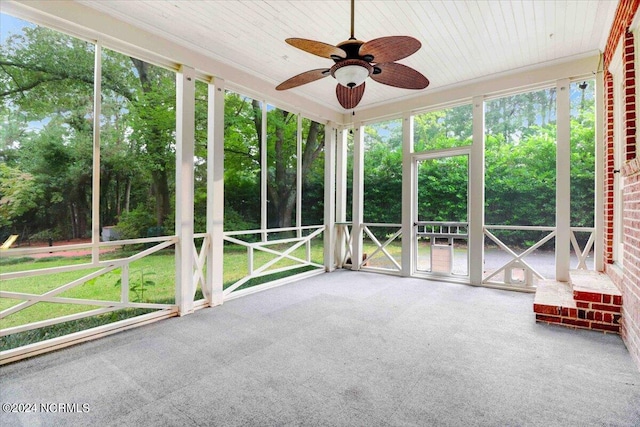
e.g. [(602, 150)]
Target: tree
[(281, 162), (383, 172), (47, 79), (18, 194), (242, 162), (154, 128)]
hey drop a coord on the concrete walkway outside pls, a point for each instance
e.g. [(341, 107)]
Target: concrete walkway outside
[(345, 348)]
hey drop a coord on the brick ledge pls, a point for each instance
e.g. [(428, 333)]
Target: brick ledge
[(591, 301), (631, 167)]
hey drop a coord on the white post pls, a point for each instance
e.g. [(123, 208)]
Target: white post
[(408, 196), (95, 186), (263, 171), (563, 180), (299, 176), (329, 196), (124, 283), (341, 191), (476, 195), (215, 191), (358, 196), (599, 181), (185, 131)]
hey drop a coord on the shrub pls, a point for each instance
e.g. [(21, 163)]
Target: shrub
[(135, 223), (44, 235)]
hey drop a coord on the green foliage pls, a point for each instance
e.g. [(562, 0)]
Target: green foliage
[(383, 172), (45, 235), (281, 167), (520, 179), (442, 189), (48, 332), (16, 260), (18, 194), (242, 128), (448, 128), (136, 223), (233, 221), (138, 283), (47, 80)]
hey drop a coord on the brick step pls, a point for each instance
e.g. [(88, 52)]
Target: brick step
[(590, 301)]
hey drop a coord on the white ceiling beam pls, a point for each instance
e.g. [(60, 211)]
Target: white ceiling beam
[(503, 83)]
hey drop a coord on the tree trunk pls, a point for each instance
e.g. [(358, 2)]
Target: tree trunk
[(72, 220), (155, 149), (127, 197), (282, 184), (162, 196)]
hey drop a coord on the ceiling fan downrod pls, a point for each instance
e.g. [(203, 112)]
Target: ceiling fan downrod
[(353, 8)]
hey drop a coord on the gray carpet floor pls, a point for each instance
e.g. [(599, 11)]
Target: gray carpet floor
[(346, 348)]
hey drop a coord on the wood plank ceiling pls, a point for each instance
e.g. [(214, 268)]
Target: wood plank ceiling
[(461, 40)]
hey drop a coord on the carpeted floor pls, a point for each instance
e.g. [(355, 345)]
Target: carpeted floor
[(347, 348)]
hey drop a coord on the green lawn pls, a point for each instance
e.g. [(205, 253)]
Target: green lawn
[(380, 260), (151, 279)]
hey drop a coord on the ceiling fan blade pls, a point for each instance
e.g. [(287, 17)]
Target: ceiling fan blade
[(349, 97), (317, 48), (389, 49), (401, 76), (304, 78)]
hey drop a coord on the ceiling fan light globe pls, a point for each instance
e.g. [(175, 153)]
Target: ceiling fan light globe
[(351, 75)]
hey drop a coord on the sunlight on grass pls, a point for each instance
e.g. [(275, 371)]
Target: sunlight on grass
[(100, 288), (151, 279), (43, 283), (236, 260), (42, 311), (380, 260), (7, 303), (13, 264)]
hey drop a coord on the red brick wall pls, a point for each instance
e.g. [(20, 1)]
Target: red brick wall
[(609, 166), (624, 15), (627, 280), (631, 276), (629, 95)]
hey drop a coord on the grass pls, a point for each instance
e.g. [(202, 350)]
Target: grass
[(35, 335), (151, 279)]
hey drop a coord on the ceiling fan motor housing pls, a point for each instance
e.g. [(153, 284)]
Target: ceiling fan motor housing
[(351, 72)]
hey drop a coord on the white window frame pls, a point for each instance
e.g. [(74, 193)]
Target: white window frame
[(616, 69)]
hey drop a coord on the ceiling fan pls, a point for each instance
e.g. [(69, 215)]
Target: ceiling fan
[(356, 60)]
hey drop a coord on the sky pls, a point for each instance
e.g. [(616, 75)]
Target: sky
[(11, 25)]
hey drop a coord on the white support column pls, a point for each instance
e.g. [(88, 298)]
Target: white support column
[(215, 191), (124, 283), (95, 190), (263, 171), (563, 180), (185, 131), (408, 196), (341, 175), (341, 191), (599, 181), (476, 194), (299, 176), (329, 196), (358, 196)]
